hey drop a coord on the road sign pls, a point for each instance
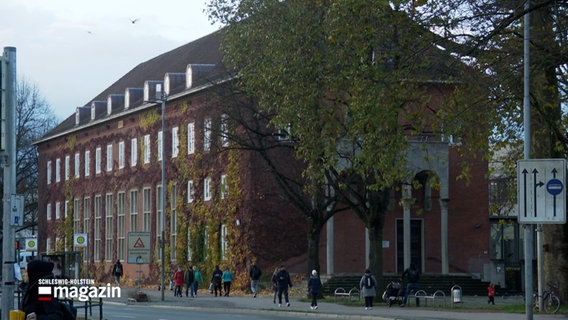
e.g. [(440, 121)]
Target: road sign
[(541, 191), (31, 244), (80, 240), (139, 247), (17, 210)]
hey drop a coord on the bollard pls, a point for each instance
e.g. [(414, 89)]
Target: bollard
[(17, 315)]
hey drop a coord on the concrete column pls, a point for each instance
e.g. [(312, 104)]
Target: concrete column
[(444, 235), (406, 203), (330, 247)]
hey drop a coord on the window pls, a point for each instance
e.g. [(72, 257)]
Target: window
[(159, 199), (133, 152), (190, 191), (48, 211), (223, 186), (173, 221), (120, 226), (147, 149), (224, 131), (87, 219), (147, 206), (109, 212), (77, 216), (67, 168), (109, 158), (65, 210), (97, 231), (206, 134), (98, 160), (224, 242), (133, 210), (77, 164), (48, 172), (160, 145), (121, 154), (175, 142), (57, 169), (207, 189), (191, 138), (57, 210), (87, 163)]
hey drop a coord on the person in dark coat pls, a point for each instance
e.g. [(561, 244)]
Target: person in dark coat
[(216, 280), (283, 283), (254, 274), (188, 278), (117, 272), (412, 276), (314, 287), (34, 308)]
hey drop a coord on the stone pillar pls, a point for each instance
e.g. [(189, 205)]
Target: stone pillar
[(330, 247), (444, 235), (406, 203)]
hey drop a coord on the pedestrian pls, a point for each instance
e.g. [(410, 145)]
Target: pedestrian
[(197, 279), (491, 294), (227, 278), (178, 282), (283, 283), (413, 276), (254, 274), (40, 309), (117, 272), (368, 286), (188, 278), (216, 280), (274, 285), (314, 287)]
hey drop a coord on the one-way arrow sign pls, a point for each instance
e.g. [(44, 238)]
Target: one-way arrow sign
[(541, 191)]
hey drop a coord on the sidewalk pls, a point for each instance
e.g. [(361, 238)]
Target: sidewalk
[(469, 309)]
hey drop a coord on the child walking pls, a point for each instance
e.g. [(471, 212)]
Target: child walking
[(491, 294)]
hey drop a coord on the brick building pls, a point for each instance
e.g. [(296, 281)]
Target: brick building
[(100, 174)]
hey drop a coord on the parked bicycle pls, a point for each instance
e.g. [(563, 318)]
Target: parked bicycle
[(550, 301)]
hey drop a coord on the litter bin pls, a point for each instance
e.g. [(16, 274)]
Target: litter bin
[(456, 292)]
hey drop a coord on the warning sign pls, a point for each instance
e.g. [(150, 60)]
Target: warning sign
[(138, 247)]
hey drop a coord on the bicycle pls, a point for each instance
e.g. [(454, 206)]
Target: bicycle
[(550, 301)]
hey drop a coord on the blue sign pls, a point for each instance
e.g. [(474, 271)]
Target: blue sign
[(554, 187)]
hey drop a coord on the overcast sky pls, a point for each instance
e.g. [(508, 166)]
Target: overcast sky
[(74, 49)]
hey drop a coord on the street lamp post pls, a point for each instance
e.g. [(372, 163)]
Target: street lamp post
[(163, 191)]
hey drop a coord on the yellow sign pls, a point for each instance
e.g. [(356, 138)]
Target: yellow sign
[(80, 239), (31, 244)]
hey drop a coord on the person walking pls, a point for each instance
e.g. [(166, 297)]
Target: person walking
[(314, 287), (274, 285), (117, 272), (254, 274), (216, 280), (227, 278), (178, 282), (283, 283), (368, 286), (491, 293), (188, 278), (413, 276), (197, 279)]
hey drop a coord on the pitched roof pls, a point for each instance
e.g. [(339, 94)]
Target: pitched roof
[(201, 51)]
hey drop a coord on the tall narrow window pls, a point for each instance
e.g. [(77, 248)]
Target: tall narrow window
[(57, 170), (120, 225), (224, 242), (48, 211), (121, 154), (67, 168), (57, 210), (87, 163), (224, 131), (77, 164), (97, 228), (207, 189), (191, 138), (48, 172), (173, 221), (109, 158), (77, 216), (133, 152), (98, 160), (147, 149), (109, 226), (133, 210), (159, 199), (147, 207), (223, 186), (206, 134), (160, 145), (87, 219), (175, 142), (190, 191)]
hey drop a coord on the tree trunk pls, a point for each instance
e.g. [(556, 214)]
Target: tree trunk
[(313, 247)]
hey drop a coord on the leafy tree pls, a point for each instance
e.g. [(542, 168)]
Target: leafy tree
[(347, 80)]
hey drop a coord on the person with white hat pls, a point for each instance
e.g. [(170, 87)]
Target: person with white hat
[(314, 287)]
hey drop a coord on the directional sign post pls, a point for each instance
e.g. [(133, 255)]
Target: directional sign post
[(541, 191)]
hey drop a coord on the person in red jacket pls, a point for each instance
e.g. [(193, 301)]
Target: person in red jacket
[(178, 282), (491, 294)]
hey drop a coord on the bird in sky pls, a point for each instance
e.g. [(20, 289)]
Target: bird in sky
[(134, 20)]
